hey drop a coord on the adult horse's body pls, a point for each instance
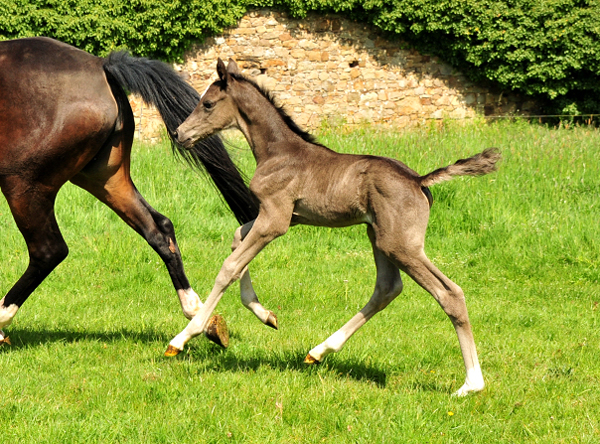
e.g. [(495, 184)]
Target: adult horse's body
[(299, 181), (64, 116)]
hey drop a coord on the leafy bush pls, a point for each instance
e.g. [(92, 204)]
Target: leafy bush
[(149, 28), (547, 49)]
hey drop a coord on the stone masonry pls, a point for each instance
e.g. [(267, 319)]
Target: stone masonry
[(327, 69)]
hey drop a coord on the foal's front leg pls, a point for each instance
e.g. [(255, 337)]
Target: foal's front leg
[(247, 293), (264, 230)]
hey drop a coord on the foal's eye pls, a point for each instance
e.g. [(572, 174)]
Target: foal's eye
[(208, 104)]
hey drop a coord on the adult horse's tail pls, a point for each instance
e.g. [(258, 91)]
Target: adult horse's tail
[(159, 85)]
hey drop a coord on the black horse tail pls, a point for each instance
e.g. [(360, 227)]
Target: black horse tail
[(159, 85)]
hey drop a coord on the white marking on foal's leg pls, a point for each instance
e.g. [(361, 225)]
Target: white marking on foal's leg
[(196, 326), (474, 380), (251, 302), (190, 302), (332, 344), (473, 383)]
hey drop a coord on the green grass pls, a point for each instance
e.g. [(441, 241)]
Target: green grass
[(86, 362)]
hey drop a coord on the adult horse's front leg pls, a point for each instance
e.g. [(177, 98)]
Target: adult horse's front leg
[(264, 230)]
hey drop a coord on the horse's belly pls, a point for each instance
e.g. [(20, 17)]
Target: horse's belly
[(328, 216)]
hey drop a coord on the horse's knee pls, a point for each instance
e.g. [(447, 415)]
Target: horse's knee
[(165, 225), (49, 256), (227, 275), (454, 304)]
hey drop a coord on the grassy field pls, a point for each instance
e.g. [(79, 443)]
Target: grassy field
[(86, 362)]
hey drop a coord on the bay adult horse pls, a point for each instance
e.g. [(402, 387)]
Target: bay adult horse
[(64, 116), (299, 181)]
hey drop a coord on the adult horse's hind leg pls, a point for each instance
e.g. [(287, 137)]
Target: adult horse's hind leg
[(247, 293), (107, 178), (387, 287), (33, 211), (452, 300)]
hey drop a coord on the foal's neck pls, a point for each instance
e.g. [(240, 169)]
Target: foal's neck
[(261, 122)]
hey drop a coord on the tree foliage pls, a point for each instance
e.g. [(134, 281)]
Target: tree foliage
[(548, 49)]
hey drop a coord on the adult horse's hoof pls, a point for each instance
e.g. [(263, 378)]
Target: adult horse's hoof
[(172, 351), (217, 331), (4, 339), (310, 360), (272, 321)]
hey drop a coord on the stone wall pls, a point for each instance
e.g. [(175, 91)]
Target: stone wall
[(330, 68)]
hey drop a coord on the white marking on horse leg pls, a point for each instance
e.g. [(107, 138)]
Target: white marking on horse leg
[(332, 344), (233, 268), (250, 300), (247, 293), (387, 287), (7, 313), (473, 383), (190, 302), (452, 300), (474, 380), (3, 338), (199, 322), (6, 316)]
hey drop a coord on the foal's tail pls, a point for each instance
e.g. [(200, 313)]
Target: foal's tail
[(159, 85), (478, 165)]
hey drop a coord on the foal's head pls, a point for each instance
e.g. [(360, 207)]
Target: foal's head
[(215, 112)]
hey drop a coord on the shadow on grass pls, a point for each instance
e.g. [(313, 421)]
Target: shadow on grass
[(22, 339), (205, 354), (289, 360)]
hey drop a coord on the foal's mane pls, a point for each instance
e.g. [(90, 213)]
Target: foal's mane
[(305, 135)]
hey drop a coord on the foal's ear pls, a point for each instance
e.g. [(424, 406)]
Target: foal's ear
[(232, 67), (222, 71)]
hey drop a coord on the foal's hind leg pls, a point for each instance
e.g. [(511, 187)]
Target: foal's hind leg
[(33, 211), (452, 300), (247, 293), (387, 287)]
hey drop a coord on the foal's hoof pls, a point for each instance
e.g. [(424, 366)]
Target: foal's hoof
[(217, 331), (310, 360), (172, 351), (272, 321)]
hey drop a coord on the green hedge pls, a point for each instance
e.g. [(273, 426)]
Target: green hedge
[(157, 29), (548, 49)]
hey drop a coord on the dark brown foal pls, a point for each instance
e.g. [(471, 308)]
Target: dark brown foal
[(299, 181)]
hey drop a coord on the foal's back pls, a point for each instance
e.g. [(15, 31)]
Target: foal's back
[(336, 190)]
